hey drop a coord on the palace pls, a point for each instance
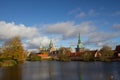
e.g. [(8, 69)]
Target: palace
[(48, 49), (51, 48), (51, 51)]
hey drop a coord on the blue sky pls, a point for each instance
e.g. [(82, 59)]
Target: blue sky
[(98, 22)]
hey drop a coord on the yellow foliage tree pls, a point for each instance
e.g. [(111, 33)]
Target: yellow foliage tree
[(13, 49)]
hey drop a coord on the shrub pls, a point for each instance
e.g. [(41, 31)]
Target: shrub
[(36, 58), (8, 63)]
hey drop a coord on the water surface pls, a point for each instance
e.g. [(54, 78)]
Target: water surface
[(54, 70)]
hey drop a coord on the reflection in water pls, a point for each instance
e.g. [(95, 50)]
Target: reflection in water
[(116, 71), (11, 73), (53, 70)]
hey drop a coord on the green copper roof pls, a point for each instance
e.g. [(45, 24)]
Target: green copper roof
[(45, 48), (79, 41), (79, 45)]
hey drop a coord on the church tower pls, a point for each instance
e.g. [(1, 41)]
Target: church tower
[(51, 47), (80, 47)]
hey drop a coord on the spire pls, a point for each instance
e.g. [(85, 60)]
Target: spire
[(51, 47), (51, 44), (79, 36), (79, 45), (79, 41)]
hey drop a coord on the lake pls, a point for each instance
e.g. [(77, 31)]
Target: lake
[(55, 70)]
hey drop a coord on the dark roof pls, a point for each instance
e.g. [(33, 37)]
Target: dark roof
[(117, 48)]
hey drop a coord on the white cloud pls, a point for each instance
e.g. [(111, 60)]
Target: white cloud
[(116, 26), (9, 30), (100, 44), (75, 11), (59, 28), (108, 43), (91, 12), (35, 42), (70, 29), (85, 27), (88, 13), (81, 14), (117, 13), (102, 38), (30, 35)]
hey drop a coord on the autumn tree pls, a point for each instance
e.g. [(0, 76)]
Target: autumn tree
[(106, 52), (87, 56), (13, 49), (63, 54)]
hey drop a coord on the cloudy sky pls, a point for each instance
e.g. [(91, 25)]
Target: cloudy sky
[(39, 21)]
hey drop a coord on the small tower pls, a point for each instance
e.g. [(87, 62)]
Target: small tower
[(80, 47), (40, 47), (51, 46)]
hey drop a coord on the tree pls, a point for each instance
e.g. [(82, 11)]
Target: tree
[(13, 49), (106, 52), (87, 56), (63, 54)]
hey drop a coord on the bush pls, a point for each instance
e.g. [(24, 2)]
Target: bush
[(8, 63), (36, 58)]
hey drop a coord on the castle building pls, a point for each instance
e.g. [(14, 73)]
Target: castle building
[(48, 49), (80, 47)]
